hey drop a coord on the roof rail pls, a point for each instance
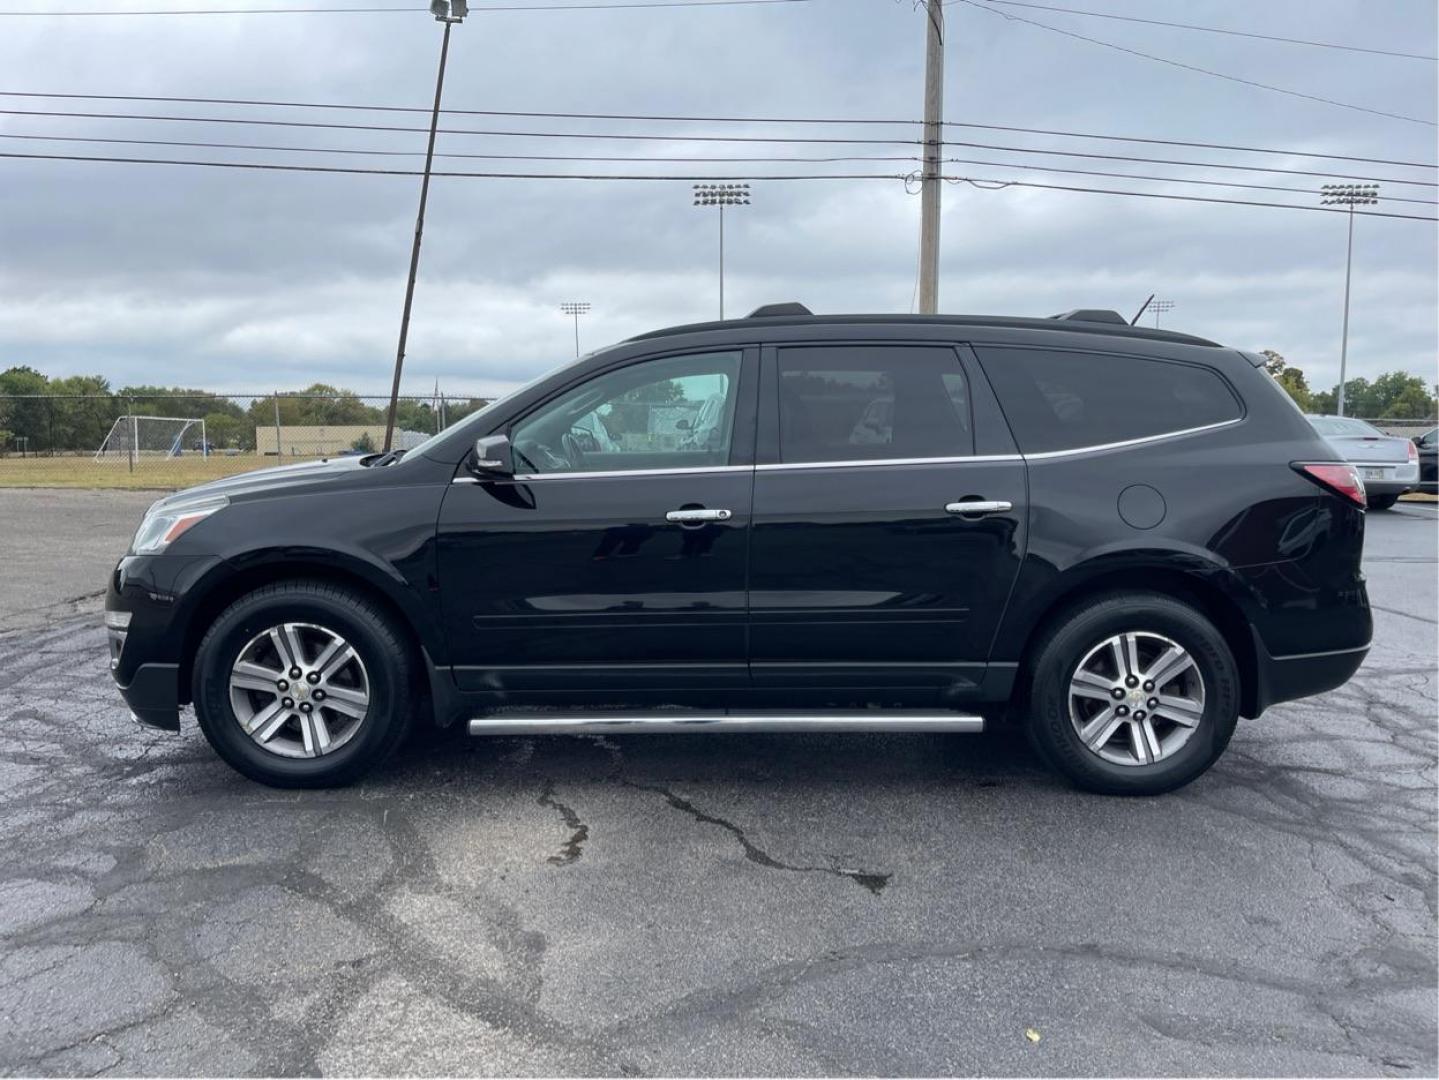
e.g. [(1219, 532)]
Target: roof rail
[(1100, 315), (789, 308)]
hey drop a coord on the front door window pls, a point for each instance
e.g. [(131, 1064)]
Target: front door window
[(673, 413)]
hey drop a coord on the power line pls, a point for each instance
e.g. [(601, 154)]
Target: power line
[(1212, 30), (632, 5), (532, 114), (452, 154), (978, 181), (691, 160), (761, 139), (336, 126), (1195, 68)]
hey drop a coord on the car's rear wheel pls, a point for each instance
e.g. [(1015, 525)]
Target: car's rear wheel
[(303, 684), (1132, 694), (1382, 502)]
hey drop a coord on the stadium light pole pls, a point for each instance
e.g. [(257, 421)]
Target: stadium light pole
[(447, 12), (1350, 195), (576, 308), (721, 195), (1158, 306)]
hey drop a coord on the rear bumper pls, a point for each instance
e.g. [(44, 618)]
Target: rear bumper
[(1286, 678), (153, 695), (1390, 487)]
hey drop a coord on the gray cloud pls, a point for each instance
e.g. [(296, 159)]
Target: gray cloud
[(246, 280)]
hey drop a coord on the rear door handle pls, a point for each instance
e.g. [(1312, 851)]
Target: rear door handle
[(692, 517), (979, 506)]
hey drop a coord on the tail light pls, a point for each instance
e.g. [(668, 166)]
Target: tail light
[(1340, 479), (1413, 452)]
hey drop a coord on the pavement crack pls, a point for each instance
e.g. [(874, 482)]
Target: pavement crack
[(580, 832), (874, 882)]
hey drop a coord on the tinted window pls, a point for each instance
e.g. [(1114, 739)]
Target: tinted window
[(660, 414), (1066, 400), (860, 403)]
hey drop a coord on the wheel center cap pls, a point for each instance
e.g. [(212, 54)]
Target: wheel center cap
[(1136, 696), (302, 692)]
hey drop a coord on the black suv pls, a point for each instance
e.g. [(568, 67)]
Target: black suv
[(1122, 539)]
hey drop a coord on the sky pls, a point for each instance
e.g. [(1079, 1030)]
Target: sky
[(246, 280)]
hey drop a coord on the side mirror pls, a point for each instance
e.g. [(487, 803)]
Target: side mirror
[(492, 455)]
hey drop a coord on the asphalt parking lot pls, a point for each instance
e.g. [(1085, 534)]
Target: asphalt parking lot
[(707, 904)]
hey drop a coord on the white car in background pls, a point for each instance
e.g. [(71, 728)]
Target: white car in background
[(1388, 464)]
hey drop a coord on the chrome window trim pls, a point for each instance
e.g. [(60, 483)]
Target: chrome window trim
[(1045, 455), (875, 462), (605, 474), (869, 463)]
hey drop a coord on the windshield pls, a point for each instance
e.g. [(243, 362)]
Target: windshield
[(477, 417), (1332, 426)]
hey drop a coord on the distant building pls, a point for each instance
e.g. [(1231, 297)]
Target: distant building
[(328, 440)]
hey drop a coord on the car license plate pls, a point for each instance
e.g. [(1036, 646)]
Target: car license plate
[(1373, 474)]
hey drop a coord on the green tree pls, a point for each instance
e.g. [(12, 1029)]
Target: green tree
[(1290, 378), (25, 418), (1396, 395), (226, 432), (364, 444)]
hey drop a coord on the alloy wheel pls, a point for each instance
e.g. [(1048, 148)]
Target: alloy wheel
[(299, 690), (1136, 698)]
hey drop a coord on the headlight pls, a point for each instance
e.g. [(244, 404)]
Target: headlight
[(164, 524)]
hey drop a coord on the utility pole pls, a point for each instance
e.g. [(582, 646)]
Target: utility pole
[(576, 308), (1350, 195), (721, 195), (448, 12), (1160, 307), (933, 150)]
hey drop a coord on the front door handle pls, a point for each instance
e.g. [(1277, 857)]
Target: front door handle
[(979, 506), (694, 517)]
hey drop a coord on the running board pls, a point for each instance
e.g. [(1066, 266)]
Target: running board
[(669, 722)]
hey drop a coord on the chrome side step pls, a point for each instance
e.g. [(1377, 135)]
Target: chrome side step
[(689, 721)]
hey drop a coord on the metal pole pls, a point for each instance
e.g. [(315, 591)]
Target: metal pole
[(933, 149), (415, 250), (279, 452), (577, 334), (1344, 338), (134, 434), (721, 254)]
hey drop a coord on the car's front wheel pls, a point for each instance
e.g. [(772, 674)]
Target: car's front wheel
[(1132, 694), (303, 684)]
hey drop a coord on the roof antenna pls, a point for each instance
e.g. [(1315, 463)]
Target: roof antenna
[(1142, 309)]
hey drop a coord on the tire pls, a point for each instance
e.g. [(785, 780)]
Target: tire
[(1382, 502), (1080, 637), (381, 668)]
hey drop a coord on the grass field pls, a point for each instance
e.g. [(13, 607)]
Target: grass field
[(157, 474)]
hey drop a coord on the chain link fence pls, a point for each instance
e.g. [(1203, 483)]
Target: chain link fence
[(173, 441)]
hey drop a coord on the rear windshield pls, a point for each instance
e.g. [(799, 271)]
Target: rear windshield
[(1062, 400), (1338, 426)]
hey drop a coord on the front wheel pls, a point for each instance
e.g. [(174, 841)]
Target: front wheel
[(303, 684), (1132, 694)]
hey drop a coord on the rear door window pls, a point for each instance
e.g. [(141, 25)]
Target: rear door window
[(1060, 400), (872, 403)]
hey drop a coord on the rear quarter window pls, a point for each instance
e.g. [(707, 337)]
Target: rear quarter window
[(1061, 400)]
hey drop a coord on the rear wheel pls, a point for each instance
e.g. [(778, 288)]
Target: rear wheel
[(1382, 502), (1132, 694), (303, 684)]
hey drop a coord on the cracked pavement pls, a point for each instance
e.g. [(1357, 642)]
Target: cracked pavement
[(686, 904)]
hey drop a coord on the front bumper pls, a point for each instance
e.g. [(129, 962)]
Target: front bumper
[(148, 605)]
